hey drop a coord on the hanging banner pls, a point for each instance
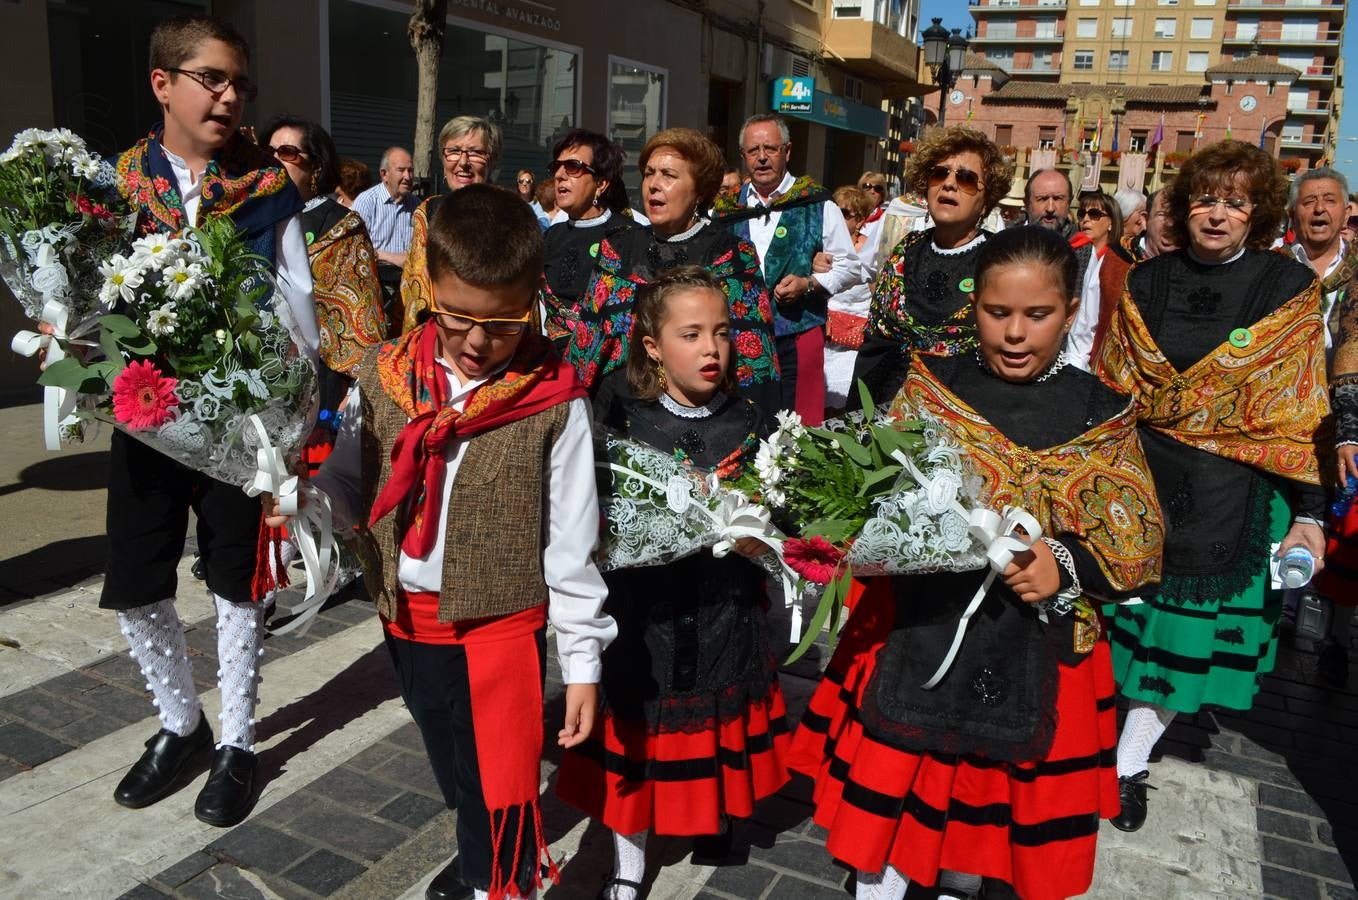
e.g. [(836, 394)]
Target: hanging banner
[(1132, 172)]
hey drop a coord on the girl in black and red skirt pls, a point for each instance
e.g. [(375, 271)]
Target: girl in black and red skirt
[(1004, 768), (694, 729)]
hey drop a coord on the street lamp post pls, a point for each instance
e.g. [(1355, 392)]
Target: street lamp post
[(945, 55)]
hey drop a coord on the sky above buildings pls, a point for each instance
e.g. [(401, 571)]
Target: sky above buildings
[(954, 15)]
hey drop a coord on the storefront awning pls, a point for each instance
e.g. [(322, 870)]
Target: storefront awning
[(834, 112)]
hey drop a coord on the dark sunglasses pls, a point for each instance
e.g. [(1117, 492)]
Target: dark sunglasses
[(1093, 212), (966, 179), (849, 213), (287, 152), (574, 167), (881, 189)]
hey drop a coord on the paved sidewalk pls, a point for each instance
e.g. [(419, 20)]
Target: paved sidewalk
[(1248, 806)]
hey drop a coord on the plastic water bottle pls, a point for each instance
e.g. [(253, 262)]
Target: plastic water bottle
[(1296, 567)]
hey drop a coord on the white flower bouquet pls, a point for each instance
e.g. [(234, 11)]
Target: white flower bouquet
[(197, 349), (60, 217), (657, 510), (869, 495)]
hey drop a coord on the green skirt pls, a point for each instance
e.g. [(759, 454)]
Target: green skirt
[(1184, 656)]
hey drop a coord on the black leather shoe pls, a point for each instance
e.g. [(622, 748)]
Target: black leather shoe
[(229, 794), (447, 885), (158, 772), (713, 849), (1132, 793)]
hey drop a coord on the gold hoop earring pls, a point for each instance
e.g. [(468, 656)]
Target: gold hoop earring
[(660, 374)]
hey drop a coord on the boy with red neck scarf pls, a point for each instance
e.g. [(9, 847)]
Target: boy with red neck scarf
[(469, 470)]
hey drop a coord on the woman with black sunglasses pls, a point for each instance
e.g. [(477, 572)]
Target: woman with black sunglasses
[(343, 266), (921, 301), (587, 170), (1099, 221)]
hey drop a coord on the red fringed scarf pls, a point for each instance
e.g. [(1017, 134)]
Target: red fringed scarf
[(408, 367)]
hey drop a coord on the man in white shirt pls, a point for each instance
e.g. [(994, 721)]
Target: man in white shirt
[(387, 209), (789, 220)]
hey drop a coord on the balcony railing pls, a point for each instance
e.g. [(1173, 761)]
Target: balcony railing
[(1313, 41), (1286, 5), (1313, 73), (1322, 110), (1034, 68), (1009, 6), (1303, 143), (1009, 37)]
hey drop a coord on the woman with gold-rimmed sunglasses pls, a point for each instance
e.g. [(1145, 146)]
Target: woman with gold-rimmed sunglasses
[(1222, 345), (874, 185), (921, 300), (469, 147)]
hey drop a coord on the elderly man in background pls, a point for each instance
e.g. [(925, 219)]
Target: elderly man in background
[(1318, 211), (386, 209), (1158, 238), (789, 220), (1132, 205), (1047, 198)]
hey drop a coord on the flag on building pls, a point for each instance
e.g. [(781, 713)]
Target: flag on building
[(1263, 130), (1098, 135), (1228, 127), (1115, 134), (1197, 131), (1159, 135)]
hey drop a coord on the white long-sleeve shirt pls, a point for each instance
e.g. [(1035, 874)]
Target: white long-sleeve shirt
[(1080, 341), (845, 268), (292, 268), (575, 589)]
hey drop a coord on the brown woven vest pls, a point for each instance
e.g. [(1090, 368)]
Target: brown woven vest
[(492, 549)]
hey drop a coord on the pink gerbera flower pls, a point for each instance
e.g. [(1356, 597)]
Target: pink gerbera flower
[(815, 560), (143, 398)]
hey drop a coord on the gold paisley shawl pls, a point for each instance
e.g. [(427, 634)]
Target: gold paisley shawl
[(1262, 405), (348, 294), (1096, 487)]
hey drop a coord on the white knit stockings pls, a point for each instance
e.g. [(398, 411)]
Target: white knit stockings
[(629, 863), (156, 638), (240, 645), (1143, 727), (888, 884)]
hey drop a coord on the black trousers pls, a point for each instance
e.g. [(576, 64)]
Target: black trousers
[(149, 498), (435, 688)]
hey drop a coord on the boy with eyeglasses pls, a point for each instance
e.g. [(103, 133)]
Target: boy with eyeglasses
[(469, 471), (193, 167)]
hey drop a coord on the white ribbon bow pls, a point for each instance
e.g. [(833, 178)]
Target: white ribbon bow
[(58, 403), (1003, 539), (310, 528)]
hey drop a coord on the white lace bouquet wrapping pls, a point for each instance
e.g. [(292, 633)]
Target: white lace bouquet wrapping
[(657, 510), (196, 361), (867, 494), (60, 217)]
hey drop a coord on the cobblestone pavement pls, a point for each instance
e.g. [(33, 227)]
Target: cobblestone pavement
[(1256, 805)]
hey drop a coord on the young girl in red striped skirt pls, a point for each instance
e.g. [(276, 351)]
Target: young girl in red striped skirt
[(1003, 768), (693, 729)]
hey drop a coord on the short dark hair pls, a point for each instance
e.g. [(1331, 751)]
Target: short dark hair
[(1028, 187), (1218, 168), (942, 143), (608, 160), (316, 144), (354, 177), (486, 236), (1106, 203), (176, 38), (648, 314), (1029, 244)]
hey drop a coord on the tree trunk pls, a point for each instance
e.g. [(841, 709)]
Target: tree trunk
[(426, 37)]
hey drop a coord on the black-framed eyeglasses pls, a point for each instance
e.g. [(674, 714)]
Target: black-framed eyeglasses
[(288, 153), (1092, 212), (473, 154), (572, 167), (462, 324), (216, 83), (967, 180)]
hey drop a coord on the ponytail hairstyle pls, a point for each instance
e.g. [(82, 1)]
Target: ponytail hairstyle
[(648, 315), (1030, 244)]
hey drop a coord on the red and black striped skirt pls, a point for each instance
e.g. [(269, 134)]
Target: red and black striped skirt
[(1033, 825), (633, 778)]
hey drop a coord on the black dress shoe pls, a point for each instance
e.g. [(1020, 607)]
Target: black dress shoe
[(158, 772), (713, 849), (229, 794), (1132, 793), (447, 885)]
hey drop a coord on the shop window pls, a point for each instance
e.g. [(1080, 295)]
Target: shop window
[(636, 109)]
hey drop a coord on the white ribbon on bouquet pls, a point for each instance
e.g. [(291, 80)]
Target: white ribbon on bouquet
[(310, 527), (58, 403), (734, 518)]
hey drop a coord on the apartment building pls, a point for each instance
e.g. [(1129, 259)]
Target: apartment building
[(1168, 43)]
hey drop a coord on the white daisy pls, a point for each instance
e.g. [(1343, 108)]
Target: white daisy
[(121, 279), (154, 252), (181, 279), (163, 320)]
